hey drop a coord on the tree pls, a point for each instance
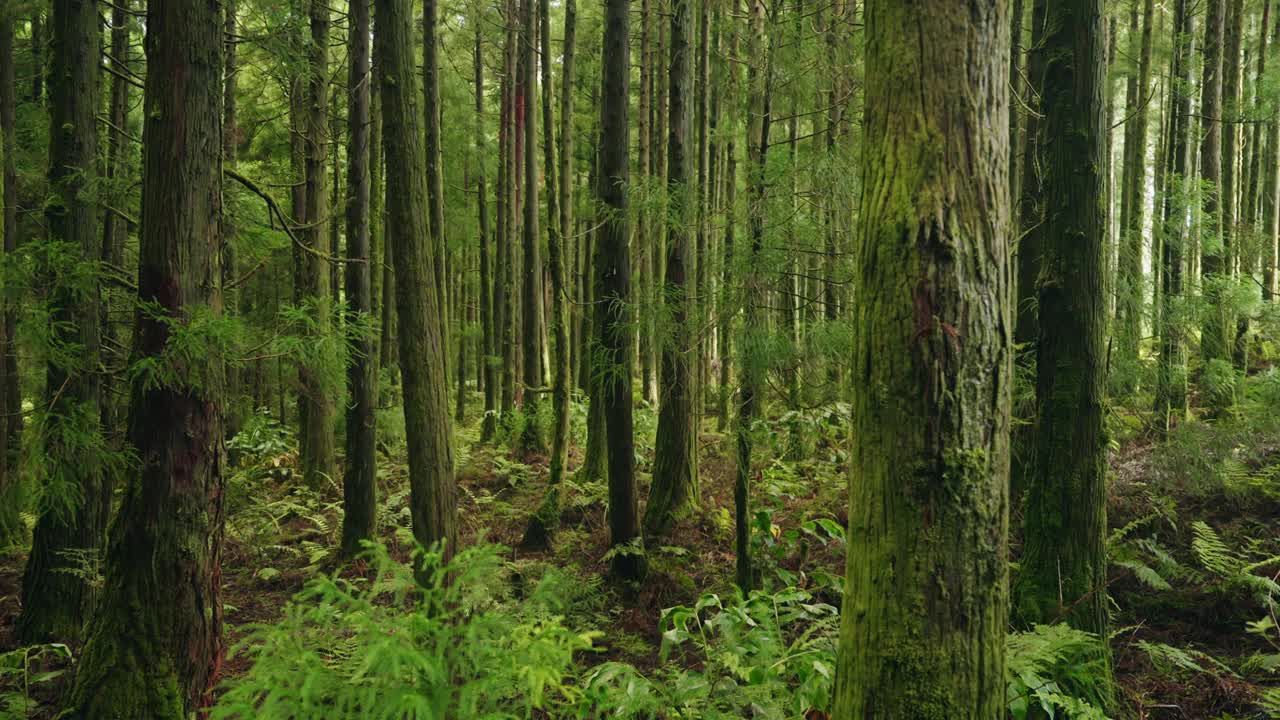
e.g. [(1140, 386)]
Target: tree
[(433, 503), (1213, 336), (933, 328), (615, 362), (154, 644), (1170, 391), (531, 287), (8, 243), (488, 335), (548, 513), (359, 485), (1134, 190), (752, 346), (56, 599), (1063, 567), (317, 407), (675, 479)]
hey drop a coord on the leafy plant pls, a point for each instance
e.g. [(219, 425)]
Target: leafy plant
[(446, 641), (1056, 668)]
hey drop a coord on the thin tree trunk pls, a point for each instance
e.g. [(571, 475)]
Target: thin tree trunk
[(55, 598), (752, 347), (318, 464), (627, 562), (487, 335), (531, 297), (1213, 336), (359, 485)]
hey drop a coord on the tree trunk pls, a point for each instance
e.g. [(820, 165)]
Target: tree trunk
[(531, 297), (9, 527), (1213, 336), (317, 442), (548, 513), (489, 424), (426, 404), (627, 563), (923, 626), (754, 333), (1064, 564), (155, 642), (1170, 391), (1131, 281), (114, 227), (675, 480), (435, 173), (55, 597), (360, 482)]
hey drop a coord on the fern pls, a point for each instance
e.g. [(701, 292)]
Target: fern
[(1056, 668), (455, 646)]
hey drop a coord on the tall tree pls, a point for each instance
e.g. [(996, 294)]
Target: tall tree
[(615, 361), (675, 480), (1213, 336), (1063, 568), (155, 641), (9, 244), (435, 173), (55, 598), (317, 406), (359, 484), (531, 287), (548, 513), (114, 225), (752, 347), (933, 329), (488, 335), (1271, 185), (433, 503), (1132, 232), (1170, 390), (1235, 242)]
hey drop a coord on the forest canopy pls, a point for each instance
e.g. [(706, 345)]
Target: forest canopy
[(652, 359)]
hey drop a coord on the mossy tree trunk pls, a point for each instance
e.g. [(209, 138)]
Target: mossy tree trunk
[(627, 563), (489, 424), (317, 410), (56, 593), (154, 644), (752, 348), (1171, 367), (1213, 333), (433, 503), (8, 243), (359, 485), (1063, 568), (675, 481), (923, 625), (1131, 281)]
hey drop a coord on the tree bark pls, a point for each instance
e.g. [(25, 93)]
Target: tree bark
[(675, 480), (1063, 570), (433, 503), (627, 563), (55, 597), (923, 626), (1170, 391), (154, 644), (317, 442), (360, 482)]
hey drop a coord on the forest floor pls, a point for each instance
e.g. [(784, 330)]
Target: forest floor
[(1180, 646)]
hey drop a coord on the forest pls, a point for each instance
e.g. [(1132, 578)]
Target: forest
[(648, 359)]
